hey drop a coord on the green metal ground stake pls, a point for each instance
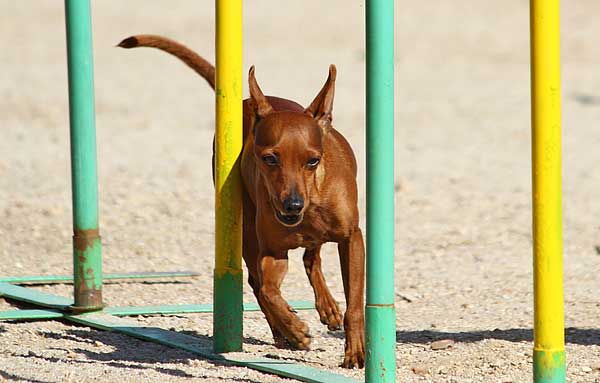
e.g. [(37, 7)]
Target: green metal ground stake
[(118, 277), (380, 311), (87, 252)]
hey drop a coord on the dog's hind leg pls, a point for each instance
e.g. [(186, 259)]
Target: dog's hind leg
[(327, 307)]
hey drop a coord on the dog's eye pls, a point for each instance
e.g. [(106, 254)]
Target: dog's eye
[(313, 162), (270, 159)]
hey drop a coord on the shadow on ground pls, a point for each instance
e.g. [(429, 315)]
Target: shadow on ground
[(581, 336), (573, 335), (15, 378), (128, 352)]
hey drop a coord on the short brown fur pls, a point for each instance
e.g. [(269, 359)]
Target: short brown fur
[(299, 179)]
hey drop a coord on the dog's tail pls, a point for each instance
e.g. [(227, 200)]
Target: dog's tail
[(185, 54)]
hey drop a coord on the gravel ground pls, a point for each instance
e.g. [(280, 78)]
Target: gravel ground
[(463, 261)]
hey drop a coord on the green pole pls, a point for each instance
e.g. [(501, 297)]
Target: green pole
[(87, 254), (380, 311)]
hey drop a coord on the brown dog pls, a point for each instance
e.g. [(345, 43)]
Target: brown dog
[(299, 179)]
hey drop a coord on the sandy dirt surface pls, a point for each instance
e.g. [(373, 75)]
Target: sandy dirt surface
[(463, 249)]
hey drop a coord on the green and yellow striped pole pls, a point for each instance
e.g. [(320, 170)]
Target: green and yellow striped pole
[(227, 298), (549, 343), (87, 251), (380, 314)]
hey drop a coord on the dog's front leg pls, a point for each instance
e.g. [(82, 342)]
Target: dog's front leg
[(272, 269), (326, 306), (352, 261)]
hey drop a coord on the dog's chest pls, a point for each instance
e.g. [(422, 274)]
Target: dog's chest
[(308, 240), (313, 232)]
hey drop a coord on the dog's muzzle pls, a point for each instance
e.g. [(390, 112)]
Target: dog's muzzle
[(289, 220)]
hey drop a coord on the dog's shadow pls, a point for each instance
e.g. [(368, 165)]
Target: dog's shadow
[(573, 335)]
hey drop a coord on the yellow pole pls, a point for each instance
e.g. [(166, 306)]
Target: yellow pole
[(549, 344), (227, 319)]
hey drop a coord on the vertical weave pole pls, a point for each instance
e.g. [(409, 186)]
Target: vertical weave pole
[(228, 308), (549, 343), (87, 252), (380, 312)]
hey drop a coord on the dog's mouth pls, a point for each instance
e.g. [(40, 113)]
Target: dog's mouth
[(289, 220)]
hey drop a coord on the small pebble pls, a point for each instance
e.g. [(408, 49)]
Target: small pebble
[(586, 369), (420, 370), (407, 297), (442, 344)]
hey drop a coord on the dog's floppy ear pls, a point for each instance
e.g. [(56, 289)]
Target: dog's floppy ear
[(261, 104), (321, 108)]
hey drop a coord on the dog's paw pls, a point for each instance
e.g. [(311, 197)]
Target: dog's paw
[(296, 333), (354, 354), (329, 313), (354, 359), (282, 343)]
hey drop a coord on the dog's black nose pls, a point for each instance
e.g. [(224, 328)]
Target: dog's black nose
[(293, 204)]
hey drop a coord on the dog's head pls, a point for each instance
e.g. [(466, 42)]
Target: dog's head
[(288, 148)]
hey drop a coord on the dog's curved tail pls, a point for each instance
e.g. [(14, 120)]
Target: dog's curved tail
[(185, 54)]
